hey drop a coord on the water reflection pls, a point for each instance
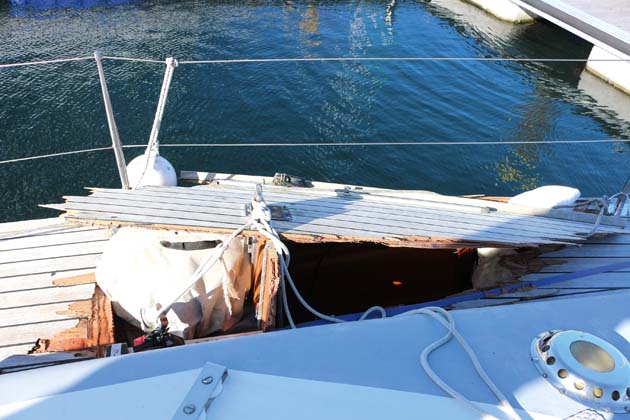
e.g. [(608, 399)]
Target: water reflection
[(25, 8), (389, 12), (539, 116), (59, 108), (310, 25)]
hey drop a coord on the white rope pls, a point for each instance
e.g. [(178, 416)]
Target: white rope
[(35, 63), (260, 219), (447, 321), (152, 151), (604, 202)]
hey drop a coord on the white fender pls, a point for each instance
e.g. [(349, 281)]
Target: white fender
[(547, 197), (157, 171)]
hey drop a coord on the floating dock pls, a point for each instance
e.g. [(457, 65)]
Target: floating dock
[(604, 23)]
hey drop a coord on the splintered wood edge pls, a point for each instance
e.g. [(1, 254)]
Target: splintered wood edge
[(75, 280), (401, 242), (95, 326), (101, 322), (270, 291)]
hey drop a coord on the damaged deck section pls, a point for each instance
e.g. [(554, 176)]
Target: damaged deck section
[(48, 297), (574, 264), (352, 214)]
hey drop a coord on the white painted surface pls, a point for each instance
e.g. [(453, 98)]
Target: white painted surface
[(156, 172), (380, 353), (249, 395), (504, 10), (613, 102), (547, 197), (617, 73)]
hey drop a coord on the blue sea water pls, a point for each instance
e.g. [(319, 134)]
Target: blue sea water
[(58, 107)]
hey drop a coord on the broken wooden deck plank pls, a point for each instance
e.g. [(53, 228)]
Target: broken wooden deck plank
[(592, 250), (330, 226), (112, 221), (35, 314), (64, 237), (29, 333), (57, 251), (571, 265), (427, 199), (36, 297), (41, 280), (228, 205), (33, 256), (371, 203), (421, 226), (49, 265), (219, 198)]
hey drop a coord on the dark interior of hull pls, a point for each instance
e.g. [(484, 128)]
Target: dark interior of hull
[(345, 278)]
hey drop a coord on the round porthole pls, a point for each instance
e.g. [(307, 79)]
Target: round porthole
[(584, 367)]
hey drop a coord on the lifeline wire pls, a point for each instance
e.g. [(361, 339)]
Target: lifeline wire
[(330, 144), (324, 59), (320, 59), (387, 143), (74, 152), (34, 63)]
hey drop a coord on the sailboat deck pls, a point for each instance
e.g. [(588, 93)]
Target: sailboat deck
[(47, 289), (326, 213), (592, 256)]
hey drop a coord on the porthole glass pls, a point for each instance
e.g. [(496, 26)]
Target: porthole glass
[(592, 356)]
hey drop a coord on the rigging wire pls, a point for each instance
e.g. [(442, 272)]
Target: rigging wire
[(331, 144), (388, 143), (323, 59), (53, 61), (74, 152)]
